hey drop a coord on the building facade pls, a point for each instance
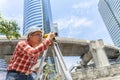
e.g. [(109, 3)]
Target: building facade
[(110, 12), (37, 13), (55, 28)]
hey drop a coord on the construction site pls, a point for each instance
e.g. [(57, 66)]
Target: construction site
[(98, 61)]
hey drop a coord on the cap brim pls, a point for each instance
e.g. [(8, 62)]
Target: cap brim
[(39, 31)]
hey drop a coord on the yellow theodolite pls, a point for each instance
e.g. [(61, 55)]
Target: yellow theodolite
[(46, 35)]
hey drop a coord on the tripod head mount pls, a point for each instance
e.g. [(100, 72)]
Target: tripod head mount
[(46, 35)]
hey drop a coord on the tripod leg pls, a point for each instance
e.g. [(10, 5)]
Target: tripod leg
[(39, 73), (58, 69), (61, 61)]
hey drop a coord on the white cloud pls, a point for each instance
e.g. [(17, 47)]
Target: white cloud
[(102, 33), (81, 5), (74, 32), (12, 10), (2, 3), (81, 22), (85, 4), (73, 21)]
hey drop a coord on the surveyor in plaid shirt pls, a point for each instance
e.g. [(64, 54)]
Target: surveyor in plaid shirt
[(26, 54)]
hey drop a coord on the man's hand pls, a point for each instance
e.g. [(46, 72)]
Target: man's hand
[(35, 70), (51, 36)]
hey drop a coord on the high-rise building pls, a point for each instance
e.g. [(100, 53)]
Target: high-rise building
[(110, 12), (37, 13), (55, 28)]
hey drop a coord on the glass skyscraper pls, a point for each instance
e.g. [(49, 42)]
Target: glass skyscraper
[(37, 13), (110, 12)]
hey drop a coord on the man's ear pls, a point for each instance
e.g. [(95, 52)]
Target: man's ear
[(29, 36)]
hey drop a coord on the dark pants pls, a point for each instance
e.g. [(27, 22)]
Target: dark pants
[(13, 75)]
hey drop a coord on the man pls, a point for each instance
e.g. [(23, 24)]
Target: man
[(26, 54)]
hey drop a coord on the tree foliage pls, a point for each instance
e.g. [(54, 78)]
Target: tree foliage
[(48, 70), (9, 28)]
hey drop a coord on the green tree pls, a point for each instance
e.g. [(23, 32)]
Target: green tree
[(9, 28), (48, 70)]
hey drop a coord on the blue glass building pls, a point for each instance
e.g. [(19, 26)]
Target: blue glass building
[(110, 12), (37, 13)]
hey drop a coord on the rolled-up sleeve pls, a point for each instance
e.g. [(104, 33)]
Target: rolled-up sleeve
[(27, 49)]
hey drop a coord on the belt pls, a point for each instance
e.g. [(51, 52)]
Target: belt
[(14, 71)]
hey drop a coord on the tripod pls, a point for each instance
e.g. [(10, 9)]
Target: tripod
[(61, 68)]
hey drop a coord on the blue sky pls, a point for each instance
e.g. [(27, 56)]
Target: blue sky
[(76, 18), (79, 19)]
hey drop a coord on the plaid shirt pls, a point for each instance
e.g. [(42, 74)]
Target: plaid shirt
[(25, 56)]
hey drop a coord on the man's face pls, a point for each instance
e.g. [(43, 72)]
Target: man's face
[(36, 36)]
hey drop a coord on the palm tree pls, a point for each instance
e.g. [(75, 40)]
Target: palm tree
[(9, 28)]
